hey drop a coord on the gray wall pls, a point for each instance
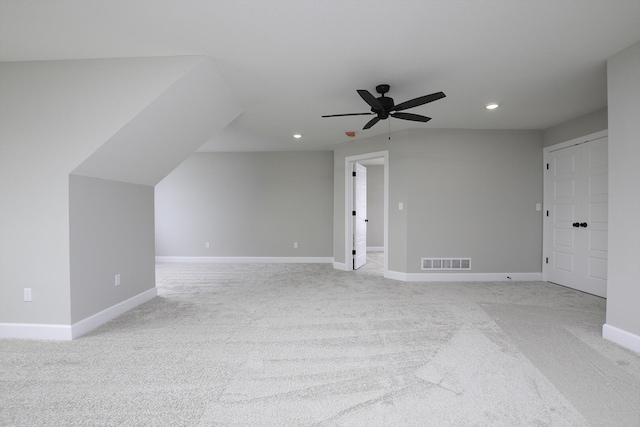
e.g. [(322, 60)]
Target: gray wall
[(466, 193), (247, 205), (623, 287), (580, 126), (474, 194), (56, 115), (375, 206), (111, 232)]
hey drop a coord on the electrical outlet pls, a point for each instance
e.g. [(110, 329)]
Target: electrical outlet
[(295, 245), (206, 245), (118, 279), (28, 297)]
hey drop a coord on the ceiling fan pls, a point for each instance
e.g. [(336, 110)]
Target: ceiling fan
[(383, 106)]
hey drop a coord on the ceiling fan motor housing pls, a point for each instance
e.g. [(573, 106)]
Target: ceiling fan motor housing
[(387, 105)]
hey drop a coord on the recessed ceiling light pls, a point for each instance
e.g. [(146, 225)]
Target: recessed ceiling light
[(297, 135), (491, 106)]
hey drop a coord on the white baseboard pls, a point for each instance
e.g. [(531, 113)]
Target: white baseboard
[(341, 266), (396, 275), (621, 337), (245, 260), (41, 331), (92, 322), (375, 248), (36, 331), (464, 277)]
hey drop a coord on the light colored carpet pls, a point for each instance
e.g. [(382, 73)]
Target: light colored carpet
[(305, 345)]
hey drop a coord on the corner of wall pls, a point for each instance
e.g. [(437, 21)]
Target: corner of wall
[(580, 126)]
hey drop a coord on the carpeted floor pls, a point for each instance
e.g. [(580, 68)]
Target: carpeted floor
[(305, 345)]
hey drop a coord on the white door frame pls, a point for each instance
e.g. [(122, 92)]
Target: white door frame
[(545, 159), (360, 217), (348, 203)]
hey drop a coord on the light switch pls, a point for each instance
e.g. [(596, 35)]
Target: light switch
[(400, 206), (538, 207)]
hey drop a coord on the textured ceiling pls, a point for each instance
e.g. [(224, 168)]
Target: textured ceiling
[(289, 62)]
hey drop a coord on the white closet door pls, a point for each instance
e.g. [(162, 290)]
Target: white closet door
[(576, 198)]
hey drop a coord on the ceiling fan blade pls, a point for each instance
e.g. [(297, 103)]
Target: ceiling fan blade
[(412, 117), (348, 114), (371, 122), (418, 101), (369, 99)]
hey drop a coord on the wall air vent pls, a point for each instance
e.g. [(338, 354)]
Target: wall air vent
[(446, 263)]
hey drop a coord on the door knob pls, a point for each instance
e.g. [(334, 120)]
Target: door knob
[(366, 220), (576, 224), (583, 224)]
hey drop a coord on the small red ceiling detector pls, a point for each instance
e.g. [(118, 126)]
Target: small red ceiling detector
[(350, 133)]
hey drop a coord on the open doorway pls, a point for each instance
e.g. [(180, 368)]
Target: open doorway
[(376, 258)]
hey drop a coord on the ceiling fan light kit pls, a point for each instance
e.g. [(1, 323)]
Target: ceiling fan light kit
[(383, 107)]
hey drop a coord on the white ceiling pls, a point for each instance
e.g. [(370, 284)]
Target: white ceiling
[(289, 62)]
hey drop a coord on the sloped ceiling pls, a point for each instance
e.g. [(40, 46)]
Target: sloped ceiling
[(289, 61), (131, 120), (56, 114), (197, 106)]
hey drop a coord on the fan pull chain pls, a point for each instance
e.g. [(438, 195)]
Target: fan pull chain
[(389, 129)]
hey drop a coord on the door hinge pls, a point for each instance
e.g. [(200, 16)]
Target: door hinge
[(353, 173), (353, 252), (353, 213), (547, 260), (547, 166), (547, 213)]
